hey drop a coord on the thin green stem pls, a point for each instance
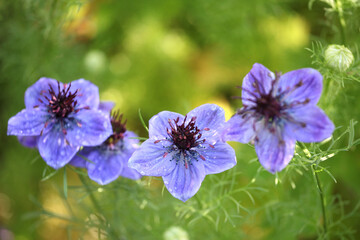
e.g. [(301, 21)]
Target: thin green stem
[(340, 11), (91, 194), (98, 208), (322, 199)]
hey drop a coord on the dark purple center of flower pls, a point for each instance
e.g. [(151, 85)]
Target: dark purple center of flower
[(184, 135), (268, 106), (60, 105), (271, 105), (63, 103), (119, 128)]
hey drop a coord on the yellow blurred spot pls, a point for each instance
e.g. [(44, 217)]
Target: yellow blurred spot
[(144, 35), (290, 32), (120, 64), (95, 61), (5, 208), (175, 46), (114, 94), (53, 203), (150, 34)]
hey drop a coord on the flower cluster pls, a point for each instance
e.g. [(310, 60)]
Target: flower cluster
[(68, 124), (59, 119)]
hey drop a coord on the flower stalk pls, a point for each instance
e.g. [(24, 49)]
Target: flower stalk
[(322, 199)]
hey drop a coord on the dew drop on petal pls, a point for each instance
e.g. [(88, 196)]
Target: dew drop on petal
[(59, 141)]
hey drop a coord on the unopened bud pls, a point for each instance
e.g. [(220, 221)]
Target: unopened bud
[(338, 57), (176, 233)]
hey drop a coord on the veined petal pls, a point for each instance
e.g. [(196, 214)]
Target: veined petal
[(55, 149), (87, 95), (39, 90), (239, 128), (210, 117), (218, 159), (182, 182), (28, 141), (150, 159), (105, 167), (159, 124), (89, 128), (310, 125), (274, 153), (301, 85), (28, 122), (258, 80)]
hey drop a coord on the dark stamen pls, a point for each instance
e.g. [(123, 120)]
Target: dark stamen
[(61, 104), (271, 105), (119, 128), (185, 136)]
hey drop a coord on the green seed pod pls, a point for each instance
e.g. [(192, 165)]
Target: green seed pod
[(338, 57)]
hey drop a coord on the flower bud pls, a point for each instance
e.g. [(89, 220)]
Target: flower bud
[(176, 233), (338, 57)]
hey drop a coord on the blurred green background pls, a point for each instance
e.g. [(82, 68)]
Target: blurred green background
[(174, 55)]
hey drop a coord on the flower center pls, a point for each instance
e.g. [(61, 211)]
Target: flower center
[(272, 105), (63, 103), (119, 128), (268, 106), (184, 136)]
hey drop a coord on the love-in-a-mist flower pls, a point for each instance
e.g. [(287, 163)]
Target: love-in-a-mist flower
[(61, 118), (278, 110), (107, 162), (184, 149)]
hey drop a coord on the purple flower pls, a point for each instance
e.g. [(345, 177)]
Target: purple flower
[(278, 110), (107, 162), (184, 149), (59, 119)]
